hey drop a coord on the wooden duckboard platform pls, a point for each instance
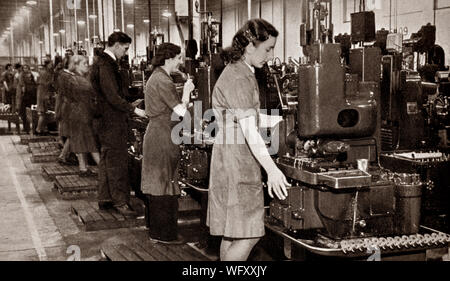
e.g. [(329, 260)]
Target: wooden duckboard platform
[(149, 251), (11, 118), (51, 171), (44, 155), (92, 219), (44, 145), (75, 187), (26, 139)]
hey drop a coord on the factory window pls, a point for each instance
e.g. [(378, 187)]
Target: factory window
[(354, 6)]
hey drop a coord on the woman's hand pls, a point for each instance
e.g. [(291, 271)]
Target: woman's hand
[(277, 183), (187, 89)]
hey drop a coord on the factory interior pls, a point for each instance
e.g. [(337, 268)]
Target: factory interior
[(360, 89)]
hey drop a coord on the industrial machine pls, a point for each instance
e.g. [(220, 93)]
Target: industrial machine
[(415, 118), (342, 203)]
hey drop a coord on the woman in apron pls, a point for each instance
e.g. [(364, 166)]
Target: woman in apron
[(161, 155), (235, 197)]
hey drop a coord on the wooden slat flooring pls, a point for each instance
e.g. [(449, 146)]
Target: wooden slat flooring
[(47, 145), (75, 187), (44, 155), (50, 171), (149, 251), (92, 219), (26, 139)]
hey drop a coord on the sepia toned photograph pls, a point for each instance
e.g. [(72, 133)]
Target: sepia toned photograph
[(208, 132)]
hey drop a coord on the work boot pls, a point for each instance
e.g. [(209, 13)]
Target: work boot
[(126, 211)]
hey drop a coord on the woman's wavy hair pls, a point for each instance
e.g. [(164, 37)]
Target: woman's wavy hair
[(74, 61), (254, 31), (165, 51)]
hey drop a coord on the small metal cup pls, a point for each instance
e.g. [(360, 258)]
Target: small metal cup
[(363, 164)]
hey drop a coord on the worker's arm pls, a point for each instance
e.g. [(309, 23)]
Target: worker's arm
[(181, 108), (276, 182), (110, 90)]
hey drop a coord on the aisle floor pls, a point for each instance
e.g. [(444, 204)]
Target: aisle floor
[(34, 223)]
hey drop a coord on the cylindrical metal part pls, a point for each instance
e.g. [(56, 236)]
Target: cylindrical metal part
[(408, 195)]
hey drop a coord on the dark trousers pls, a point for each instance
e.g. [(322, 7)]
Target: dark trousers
[(162, 214), (113, 176), (23, 116)]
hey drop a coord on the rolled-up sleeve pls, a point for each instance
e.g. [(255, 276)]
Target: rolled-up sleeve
[(168, 93)]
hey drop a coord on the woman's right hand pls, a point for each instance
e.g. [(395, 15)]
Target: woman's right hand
[(277, 183)]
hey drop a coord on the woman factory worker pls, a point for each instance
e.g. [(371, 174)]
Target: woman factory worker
[(161, 155), (235, 197), (82, 137)]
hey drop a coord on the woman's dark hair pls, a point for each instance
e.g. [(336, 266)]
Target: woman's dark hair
[(118, 37), (165, 51), (254, 31)]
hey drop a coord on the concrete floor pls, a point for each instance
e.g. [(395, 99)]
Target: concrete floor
[(34, 223)]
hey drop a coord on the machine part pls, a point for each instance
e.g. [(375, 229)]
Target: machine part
[(323, 108), (363, 27)]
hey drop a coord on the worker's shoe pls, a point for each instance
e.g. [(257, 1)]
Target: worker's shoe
[(126, 211), (106, 205), (177, 241), (64, 161), (86, 174)]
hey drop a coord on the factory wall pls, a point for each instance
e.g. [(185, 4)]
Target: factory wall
[(405, 15)]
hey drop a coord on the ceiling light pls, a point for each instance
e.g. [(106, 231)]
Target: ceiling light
[(62, 31), (81, 22), (146, 21), (116, 30), (130, 25), (31, 2), (92, 16), (166, 14)]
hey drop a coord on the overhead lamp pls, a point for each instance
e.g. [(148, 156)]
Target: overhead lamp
[(86, 39), (80, 42), (81, 22), (55, 34), (146, 21), (62, 31), (92, 16), (8, 28), (31, 2), (129, 1), (41, 42), (116, 30), (95, 37), (166, 14), (130, 25)]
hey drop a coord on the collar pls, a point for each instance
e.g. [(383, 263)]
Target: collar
[(160, 69), (251, 67), (106, 51), (67, 71)]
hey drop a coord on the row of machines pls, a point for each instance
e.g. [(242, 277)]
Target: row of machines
[(362, 139), (349, 197)]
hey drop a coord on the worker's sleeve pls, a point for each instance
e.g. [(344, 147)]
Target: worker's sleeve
[(110, 90)]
